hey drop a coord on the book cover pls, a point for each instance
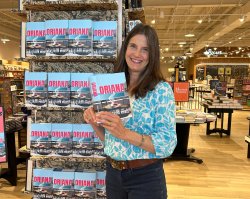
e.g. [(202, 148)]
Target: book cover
[(59, 89), (85, 184), (80, 37), (35, 89), (35, 39), (56, 37), (42, 183), (101, 185), (105, 38), (40, 138), (63, 183), (109, 93), (98, 147), (61, 139), (2, 148), (80, 90), (83, 140)]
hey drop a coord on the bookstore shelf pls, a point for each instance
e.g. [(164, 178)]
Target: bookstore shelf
[(71, 58), (135, 14), (70, 6)]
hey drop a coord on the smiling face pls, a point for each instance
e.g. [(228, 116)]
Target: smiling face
[(137, 54)]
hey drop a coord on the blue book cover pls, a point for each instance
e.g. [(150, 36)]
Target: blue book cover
[(63, 183), (80, 37), (35, 39), (80, 90), (83, 140), (105, 38), (85, 184), (59, 89), (101, 185), (35, 89), (109, 93), (56, 37), (61, 139), (2, 148), (42, 183), (40, 138)]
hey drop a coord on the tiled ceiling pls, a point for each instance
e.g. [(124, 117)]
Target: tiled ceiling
[(220, 25)]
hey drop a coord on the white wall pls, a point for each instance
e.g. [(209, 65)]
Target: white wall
[(9, 50)]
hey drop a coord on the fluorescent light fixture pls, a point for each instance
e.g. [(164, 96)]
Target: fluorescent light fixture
[(182, 42), (4, 40), (189, 35)]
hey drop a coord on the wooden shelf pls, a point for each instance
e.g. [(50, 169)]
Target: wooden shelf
[(136, 13), (71, 58), (69, 6)]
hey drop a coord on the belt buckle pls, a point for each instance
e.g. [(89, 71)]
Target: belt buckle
[(118, 165)]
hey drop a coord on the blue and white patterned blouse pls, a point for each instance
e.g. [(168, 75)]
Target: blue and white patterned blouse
[(153, 115)]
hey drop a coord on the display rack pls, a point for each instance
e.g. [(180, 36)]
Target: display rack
[(96, 10)]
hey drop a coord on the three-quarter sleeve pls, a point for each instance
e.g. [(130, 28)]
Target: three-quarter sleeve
[(164, 131)]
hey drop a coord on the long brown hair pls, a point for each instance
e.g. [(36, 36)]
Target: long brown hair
[(152, 74)]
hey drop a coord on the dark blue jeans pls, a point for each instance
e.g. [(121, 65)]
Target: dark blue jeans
[(141, 183)]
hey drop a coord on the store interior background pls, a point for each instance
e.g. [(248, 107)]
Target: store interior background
[(225, 28)]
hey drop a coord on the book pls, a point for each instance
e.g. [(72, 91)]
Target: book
[(2, 147), (105, 38), (80, 37), (63, 183), (83, 140), (40, 139), (35, 39), (59, 89), (42, 183), (85, 184), (101, 185), (35, 89), (56, 37), (80, 90), (98, 151), (61, 139), (109, 93)]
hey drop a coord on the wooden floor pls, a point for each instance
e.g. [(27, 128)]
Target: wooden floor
[(224, 174)]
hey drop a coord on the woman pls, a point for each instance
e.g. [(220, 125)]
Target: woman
[(135, 149)]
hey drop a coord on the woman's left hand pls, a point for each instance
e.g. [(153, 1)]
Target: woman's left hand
[(112, 123)]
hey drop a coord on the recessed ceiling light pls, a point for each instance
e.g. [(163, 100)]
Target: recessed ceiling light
[(200, 21), (153, 21), (189, 35)]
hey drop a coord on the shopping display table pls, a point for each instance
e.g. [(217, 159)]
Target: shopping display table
[(182, 152), (247, 139), (221, 111), (12, 126)]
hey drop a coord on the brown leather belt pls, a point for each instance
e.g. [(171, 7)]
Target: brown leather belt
[(130, 164)]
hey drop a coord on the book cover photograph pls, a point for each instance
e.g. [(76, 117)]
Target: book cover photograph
[(63, 183), (42, 183), (2, 148), (101, 185), (85, 184), (61, 139), (35, 89), (59, 89), (40, 138), (105, 38), (83, 140), (56, 37), (98, 147), (80, 37), (80, 90), (109, 93), (35, 39)]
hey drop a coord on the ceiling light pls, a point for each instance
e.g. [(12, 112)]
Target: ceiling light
[(189, 35), (207, 45), (4, 40), (181, 45), (200, 21), (182, 42), (242, 18), (239, 38), (166, 49), (153, 21)]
